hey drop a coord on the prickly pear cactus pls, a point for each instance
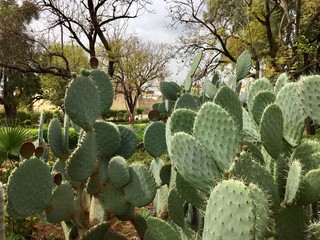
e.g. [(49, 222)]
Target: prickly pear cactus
[(90, 183)]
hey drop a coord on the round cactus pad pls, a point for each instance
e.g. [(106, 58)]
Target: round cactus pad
[(250, 128), (170, 90), (30, 187), (107, 138), (175, 207), (154, 139), (260, 102), (105, 89), (232, 212), (217, 132), (257, 86), (128, 142), (282, 81), (55, 137), (192, 161), (310, 96), (118, 172), (243, 65), (289, 101), (307, 152), (61, 207), (310, 192), (96, 232), (271, 130), (186, 100), (141, 189), (82, 163), (82, 102), (229, 100)]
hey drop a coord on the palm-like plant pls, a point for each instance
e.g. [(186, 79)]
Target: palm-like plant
[(10, 140)]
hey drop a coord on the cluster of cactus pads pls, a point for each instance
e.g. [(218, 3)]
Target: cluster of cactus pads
[(239, 165), (239, 161), (89, 184)]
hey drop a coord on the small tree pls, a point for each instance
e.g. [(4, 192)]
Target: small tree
[(139, 66)]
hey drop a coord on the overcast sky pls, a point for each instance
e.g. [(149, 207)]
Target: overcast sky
[(153, 27)]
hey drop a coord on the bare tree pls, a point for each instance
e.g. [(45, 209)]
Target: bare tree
[(89, 21)]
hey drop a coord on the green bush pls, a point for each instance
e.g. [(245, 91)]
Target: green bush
[(139, 110), (27, 122)]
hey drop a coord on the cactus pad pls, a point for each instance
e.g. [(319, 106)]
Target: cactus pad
[(243, 65), (29, 187), (289, 101), (175, 207), (128, 142), (271, 129), (161, 230), (55, 137), (310, 96), (294, 180), (82, 102), (257, 86), (186, 100), (281, 82), (154, 139), (217, 132), (96, 232), (192, 161), (250, 129), (170, 90), (105, 90), (114, 200), (141, 189), (82, 163), (234, 212), (229, 100), (260, 102), (107, 138), (61, 207), (307, 153), (310, 187), (118, 172)]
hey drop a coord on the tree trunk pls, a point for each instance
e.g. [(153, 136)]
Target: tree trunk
[(11, 113)]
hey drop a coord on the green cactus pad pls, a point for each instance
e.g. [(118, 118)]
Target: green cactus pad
[(289, 101), (82, 163), (260, 102), (141, 189), (186, 100), (161, 230), (169, 105), (105, 90), (271, 130), (190, 193), (255, 151), (192, 162), (291, 223), (155, 168), (29, 187), (310, 192), (243, 65), (250, 131), (115, 201), (107, 138), (82, 102), (293, 185), (261, 210), (307, 153), (130, 214), (245, 168), (154, 139), (61, 206), (281, 82), (96, 232), (59, 166), (128, 142), (232, 212), (55, 137), (229, 100), (118, 172), (140, 224), (113, 236), (257, 86), (182, 120), (310, 96), (217, 132), (27, 149), (170, 90), (175, 207)]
